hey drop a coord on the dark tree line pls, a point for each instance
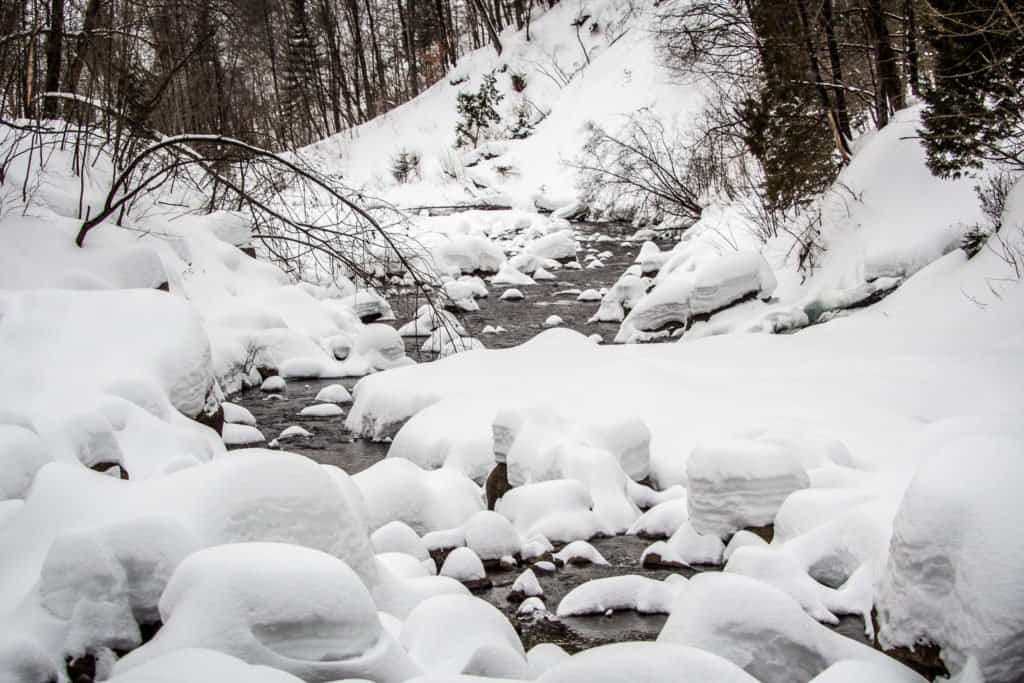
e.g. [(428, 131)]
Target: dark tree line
[(798, 80), (279, 73)]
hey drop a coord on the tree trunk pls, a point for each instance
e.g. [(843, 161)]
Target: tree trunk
[(485, 18), (54, 53), (890, 90), (835, 65)]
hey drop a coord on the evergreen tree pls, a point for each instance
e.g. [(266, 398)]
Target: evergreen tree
[(478, 112), (975, 109)]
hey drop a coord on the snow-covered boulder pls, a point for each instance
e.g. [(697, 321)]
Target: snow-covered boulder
[(553, 321), (453, 433), (662, 520), (556, 245), (333, 393), (648, 662), (956, 558), (512, 295), (241, 435), (240, 599), (627, 592), (428, 318), (201, 665), (467, 254), (510, 276), (398, 537), (236, 414), (559, 509), (322, 410), (491, 536), (464, 565), (525, 586), (684, 548), (739, 483), (580, 552), (763, 631), (627, 291), (444, 633)]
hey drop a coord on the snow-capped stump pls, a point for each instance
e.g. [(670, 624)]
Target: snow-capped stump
[(491, 536), (628, 592), (953, 576), (333, 393), (241, 435), (273, 384), (589, 295), (443, 633), (510, 276), (738, 483), (662, 520), (553, 321), (236, 414), (463, 565), (531, 608), (398, 537), (779, 642), (512, 295), (322, 410), (684, 548), (525, 586), (543, 274), (240, 599), (579, 552)]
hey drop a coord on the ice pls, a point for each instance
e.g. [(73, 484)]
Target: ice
[(240, 599), (398, 537), (627, 592), (491, 536), (762, 630), (198, 664), (322, 410), (237, 414), (444, 633), (511, 295), (241, 435), (553, 321), (953, 574), (740, 483), (684, 548), (580, 552), (430, 500), (644, 663), (463, 565)]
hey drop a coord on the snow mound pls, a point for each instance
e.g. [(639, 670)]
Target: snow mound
[(428, 319), (662, 520), (580, 552), (22, 453), (628, 592), (292, 432), (442, 634), (589, 295), (526, 585), (556, 245), (739, 483), (684, 548), (512, 295), (272, 384), (240, 599), (452, 433), (491, 536), (953, 575), (398, 537), (510, 276), (553, 321), (322, 410), (236, 414), (763, 631), (463, 565), (624, 295), (559, 509), (645, 663), (198, 664), (333, 393)]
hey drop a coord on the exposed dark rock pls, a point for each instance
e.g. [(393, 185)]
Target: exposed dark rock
[(106, 467), (497, 484)]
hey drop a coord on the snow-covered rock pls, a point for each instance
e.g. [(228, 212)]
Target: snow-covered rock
[(464, 565), (580, 552), (559, 509), (274, 383), (237, 414), (510, 276), (662, 520), (739, 483), (653, 662), (322, 410), (525, 586), (200, 664), (684, 548), (241, 435), (589, 295), (491, 536), (333, 393), (627, 592), (553, 321), (293, 432), (556, 245), (398, 537), (512, 295)]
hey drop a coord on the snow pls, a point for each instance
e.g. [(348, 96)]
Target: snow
[(322, 410), (662, 520), (762, 630), (334, 393), (444, 633), (559, 509), (739, 483), (22, 453), (237, 414), (241, 435), (453, 434), (686, 546), (952, 576), (644, 663), (512, 295), (556, 245), (627, 592), (398, 537), (510, 276), (200, 664), (589, 295), (491, 536), (526, 585), (580, 552), (553, 321), (464, 565), (273, 383), (240, 599), (292, 432)]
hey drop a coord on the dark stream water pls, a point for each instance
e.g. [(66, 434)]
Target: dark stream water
[(331, 443)]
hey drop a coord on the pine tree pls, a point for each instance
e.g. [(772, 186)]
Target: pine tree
[(975, 110), (478, 112)]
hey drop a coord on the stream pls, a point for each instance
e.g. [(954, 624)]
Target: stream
[(330, 443)]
